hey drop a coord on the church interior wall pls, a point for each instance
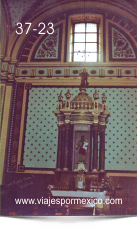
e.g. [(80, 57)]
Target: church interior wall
[(27, 78)]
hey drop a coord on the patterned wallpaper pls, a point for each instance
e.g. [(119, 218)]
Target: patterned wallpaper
[(40, 150), (19, 8)]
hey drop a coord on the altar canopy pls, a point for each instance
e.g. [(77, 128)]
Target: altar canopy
[(81, 123)]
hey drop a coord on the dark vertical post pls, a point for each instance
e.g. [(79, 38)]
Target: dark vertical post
[(63, 147), (95, 147), (59, 152), (70, 147), (91, 152), (102, 148), (67, 126)]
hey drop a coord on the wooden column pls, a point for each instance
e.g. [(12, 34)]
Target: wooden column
[(95, 147), (63, 147), (59, 152), (102, 148), (67, 126), (91, 151)]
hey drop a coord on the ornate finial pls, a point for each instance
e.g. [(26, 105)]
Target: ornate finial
[(84, 75), (95, 95), (82, 90), (68, 95), (60, 97), (104, 98)]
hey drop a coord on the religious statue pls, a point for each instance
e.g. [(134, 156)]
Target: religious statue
[(80, 184), (83, 149), (84, 82)]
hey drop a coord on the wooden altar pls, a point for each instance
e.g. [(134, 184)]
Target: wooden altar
[(81, 122)]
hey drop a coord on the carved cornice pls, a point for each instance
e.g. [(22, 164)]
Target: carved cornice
[(101, 74)]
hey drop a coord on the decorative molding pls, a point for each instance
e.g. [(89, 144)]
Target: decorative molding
[(21, 168), (64, 71), (49, 47), (11, 77), (121, 47), (28, 86), (3, 88), (15, 129)]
